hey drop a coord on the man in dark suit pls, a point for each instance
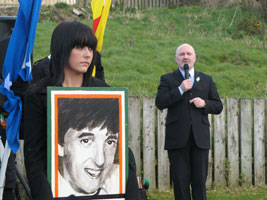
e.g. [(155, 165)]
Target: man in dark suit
[(189, 101)]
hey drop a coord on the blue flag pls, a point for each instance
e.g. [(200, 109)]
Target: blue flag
[(18, 63)]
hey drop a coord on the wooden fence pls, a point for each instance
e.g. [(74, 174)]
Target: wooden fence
[(137, 4), (237, 156), (122, 3), (44, 2), (238, 143)]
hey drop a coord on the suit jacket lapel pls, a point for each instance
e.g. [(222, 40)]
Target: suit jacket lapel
[(196, 82), (178, 76)]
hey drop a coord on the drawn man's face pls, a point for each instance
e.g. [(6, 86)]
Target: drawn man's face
[(88, 157)]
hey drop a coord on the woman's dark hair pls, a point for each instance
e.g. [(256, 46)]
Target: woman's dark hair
[(65, 37)]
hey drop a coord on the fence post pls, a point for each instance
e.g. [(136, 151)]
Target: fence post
[(266, 138), (21, 168), (259, 153), (124, 5), (134, 130), (246, 142), (219, 148), (163, 161), (150, 4), (149, 140), (209, 178), (136, 4), (233, 141), (78, 2), (157, 3)]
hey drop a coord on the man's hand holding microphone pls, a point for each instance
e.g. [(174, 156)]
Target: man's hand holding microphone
[(187, 85)]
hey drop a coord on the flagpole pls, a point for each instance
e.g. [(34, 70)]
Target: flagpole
[(4, 159)]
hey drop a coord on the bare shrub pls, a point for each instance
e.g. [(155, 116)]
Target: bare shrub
[(263, 7), (257, 5), (219, 3), (189, 2), (254, 4), (249, 26)]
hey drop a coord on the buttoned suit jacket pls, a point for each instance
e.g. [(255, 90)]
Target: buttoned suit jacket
[(182, 115)]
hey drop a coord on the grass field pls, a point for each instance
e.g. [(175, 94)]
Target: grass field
[(252, 193), (139, 46)]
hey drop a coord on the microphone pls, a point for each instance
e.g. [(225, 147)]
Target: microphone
[(186, 71)]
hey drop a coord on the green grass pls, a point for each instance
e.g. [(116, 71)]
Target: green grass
[(253, 193), (139, 46)]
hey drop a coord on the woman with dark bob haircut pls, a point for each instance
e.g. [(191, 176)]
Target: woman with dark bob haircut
[(73, 49)]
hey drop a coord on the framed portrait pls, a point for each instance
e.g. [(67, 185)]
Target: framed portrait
[(87, 142)]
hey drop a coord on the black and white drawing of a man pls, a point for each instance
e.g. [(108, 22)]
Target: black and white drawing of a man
[(88, 135)]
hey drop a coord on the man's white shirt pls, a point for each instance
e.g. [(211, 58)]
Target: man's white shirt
[(191, 76)]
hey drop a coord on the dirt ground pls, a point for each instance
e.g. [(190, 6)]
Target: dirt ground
[(8, 11), (52, 13)]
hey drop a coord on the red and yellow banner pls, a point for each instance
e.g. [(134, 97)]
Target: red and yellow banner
[(100, 11)]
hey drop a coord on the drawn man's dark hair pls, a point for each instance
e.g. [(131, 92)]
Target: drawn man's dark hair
[(80, 113)]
